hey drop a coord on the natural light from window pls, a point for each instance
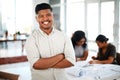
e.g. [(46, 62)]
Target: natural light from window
[(17, 15), (75, 17), (107, 19)]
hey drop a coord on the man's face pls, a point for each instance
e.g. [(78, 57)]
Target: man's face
[(45, 19)]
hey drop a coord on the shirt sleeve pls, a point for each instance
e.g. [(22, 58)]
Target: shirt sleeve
[(69, 51), (86, 49), (112, 51), (32, 50)]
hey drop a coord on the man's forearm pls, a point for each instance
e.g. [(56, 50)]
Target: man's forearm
[(45, 63), (63, 64)]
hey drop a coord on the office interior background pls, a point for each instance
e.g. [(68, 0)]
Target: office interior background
[(92, 16)]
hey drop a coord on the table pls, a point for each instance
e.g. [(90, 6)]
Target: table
[(22, 69), (85, 71), (20, 38)]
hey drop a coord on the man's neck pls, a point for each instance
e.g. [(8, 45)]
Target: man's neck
[(47, 31)]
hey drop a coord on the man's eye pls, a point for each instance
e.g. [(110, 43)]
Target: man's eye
[(48, 14)]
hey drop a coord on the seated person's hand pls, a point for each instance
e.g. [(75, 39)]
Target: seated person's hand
[(94, 62), (80, 59), (77, 59), (93, 57)]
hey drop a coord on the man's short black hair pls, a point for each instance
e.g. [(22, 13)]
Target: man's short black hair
[(42, 6)]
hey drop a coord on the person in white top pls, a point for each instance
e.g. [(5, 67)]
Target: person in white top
[(79, 42), (49, 50)]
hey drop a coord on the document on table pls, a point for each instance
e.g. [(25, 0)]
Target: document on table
[(96, 71)]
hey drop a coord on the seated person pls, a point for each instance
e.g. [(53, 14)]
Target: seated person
[(80, 45), (106, 52)]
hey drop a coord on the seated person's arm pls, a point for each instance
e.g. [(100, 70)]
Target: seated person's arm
[(95, 57), (45, 63), (108, 61), (84, 56)]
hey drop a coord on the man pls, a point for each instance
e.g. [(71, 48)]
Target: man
[(49, 51)]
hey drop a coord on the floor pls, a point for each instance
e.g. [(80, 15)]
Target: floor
[(22, 69), (12, 49)]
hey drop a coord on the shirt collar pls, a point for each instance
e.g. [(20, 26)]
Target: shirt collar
[(42, 32)]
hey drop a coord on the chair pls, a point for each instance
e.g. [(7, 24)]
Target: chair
[(118, 58), (8, 76)]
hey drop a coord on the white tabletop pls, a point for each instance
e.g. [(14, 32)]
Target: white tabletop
[(81, 71), (85, 71)]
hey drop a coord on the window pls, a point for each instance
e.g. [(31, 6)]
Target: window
[(107, 19), (92, 16), (92, 24), (92, 20), (56, 13), (75, 17), (119, 27), (52, 2), (16, 15)]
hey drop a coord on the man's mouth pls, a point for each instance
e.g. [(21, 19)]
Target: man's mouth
[(46, 22)]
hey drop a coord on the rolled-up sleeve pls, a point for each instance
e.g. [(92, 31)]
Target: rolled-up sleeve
[(31, 50), (69, 51)]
